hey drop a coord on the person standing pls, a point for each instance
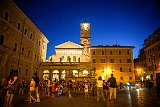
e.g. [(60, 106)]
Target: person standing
[(105, 88), (36, 79), (86, 89), (13, 82), (48, 86), (112, 87), (32, 90), (100, 88)]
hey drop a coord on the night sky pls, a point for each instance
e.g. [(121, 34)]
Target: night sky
[(122, 22)]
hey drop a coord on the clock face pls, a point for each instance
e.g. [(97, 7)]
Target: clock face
[(85, 41), (85, 26)]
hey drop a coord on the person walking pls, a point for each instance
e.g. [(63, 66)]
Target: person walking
[(32, 90), (36, 79), (100, 88), (112, 87)]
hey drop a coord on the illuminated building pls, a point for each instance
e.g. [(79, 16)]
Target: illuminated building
[(71, 61), (22, 45), (80, 62), (147, 65), (113, 59), (152, 50)]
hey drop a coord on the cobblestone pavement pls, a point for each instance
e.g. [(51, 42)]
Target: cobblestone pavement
[(135, 98)]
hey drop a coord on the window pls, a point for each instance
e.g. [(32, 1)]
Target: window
[(26, 72), (103, 61), (130, 78), (6, 16), (74, 58), (149, 59), (111, 60), (30, 35), (1, 39), (25, 31), (43, 46), (119, 52), (155, 67), (28, 53), (39, 43), (103, 53), (111, 52), (35, 56), (130, 70), (120, 60), (22, 50), (154, 58), (68, 59), (19, 26), (94, 52), (94, 60), (121, 69), (150, 68), (128, 60), (19, 71), (15, 47), (128, 52), (121, 78)]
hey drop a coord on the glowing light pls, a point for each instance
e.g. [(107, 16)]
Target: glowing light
[(85, 26), (108, 70)]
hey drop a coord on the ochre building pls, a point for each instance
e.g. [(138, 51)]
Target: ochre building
[(22, 45)]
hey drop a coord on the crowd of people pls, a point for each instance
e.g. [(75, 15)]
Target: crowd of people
[(11, 86)]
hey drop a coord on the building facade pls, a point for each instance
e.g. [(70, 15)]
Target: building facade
[(152, 50), (82, 61), (140, 66), (117, 60), (148, 61), (22, 45), (71, 61)]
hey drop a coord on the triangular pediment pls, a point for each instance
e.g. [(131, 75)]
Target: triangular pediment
[(68, 45)]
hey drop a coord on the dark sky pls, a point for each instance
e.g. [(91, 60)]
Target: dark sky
[(123, 22)]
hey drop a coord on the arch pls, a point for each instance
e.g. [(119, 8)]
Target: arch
[(45, 74), (63, 74), (85, 73), (55, 71), (75, 73), (74, 58), (55, 75), (45, 71)]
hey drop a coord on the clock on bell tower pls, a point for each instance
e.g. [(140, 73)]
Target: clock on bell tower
[(85, 34), (85, 37)]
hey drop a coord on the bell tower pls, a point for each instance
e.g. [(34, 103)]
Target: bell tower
[(85, 36)]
